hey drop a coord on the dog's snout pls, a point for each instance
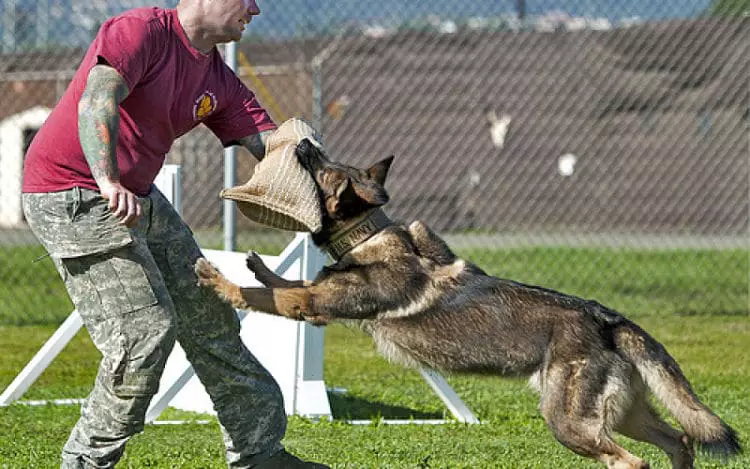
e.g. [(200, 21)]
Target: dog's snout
[(305, 155), (309, 157), (304, 160)]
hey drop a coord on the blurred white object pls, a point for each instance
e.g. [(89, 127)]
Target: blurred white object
[(566, 164), (498, 127), (12, 153)]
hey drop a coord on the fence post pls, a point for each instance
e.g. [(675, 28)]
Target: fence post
[(230, 167)]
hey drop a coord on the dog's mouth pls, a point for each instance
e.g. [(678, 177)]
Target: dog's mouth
[(304, 160), (310, 163)]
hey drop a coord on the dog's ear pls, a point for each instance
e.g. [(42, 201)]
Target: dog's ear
[(374, 195), (379, 170)]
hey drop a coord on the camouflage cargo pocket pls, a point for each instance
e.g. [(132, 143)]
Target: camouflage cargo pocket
[(109, 284), (75, 222)]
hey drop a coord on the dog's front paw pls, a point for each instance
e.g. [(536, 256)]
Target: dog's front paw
[(254, 262), (208, 275), (262, 273), (316, 320)]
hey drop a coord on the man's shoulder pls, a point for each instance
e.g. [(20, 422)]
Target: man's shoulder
[(152, 16), (144, 13)]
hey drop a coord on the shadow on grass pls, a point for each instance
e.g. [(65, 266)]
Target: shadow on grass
[(346, 407)]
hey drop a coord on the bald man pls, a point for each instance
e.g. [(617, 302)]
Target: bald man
[(125, 255)]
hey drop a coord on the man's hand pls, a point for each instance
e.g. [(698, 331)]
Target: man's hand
[(123, 203)]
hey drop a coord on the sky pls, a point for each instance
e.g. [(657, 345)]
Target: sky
[(71, 21), (284, 15)]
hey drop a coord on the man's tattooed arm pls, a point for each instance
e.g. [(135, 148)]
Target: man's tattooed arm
[(98, 125), (256, 143)]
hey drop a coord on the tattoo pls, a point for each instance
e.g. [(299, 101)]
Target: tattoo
[(99, 121), (256, 143)]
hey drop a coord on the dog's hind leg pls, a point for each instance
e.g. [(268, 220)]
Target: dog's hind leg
[(573, 406), (642, 423)]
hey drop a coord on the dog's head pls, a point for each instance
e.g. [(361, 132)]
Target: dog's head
[(345, 191)]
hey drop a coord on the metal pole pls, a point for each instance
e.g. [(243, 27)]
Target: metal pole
[(521, 7), (230, 166), (9, 19), (317, 95), (43, 20)]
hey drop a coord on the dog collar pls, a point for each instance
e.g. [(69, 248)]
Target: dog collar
[(356, 232)]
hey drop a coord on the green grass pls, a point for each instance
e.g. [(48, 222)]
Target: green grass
[(635, 282), (31, 291), (695, 302), (712, 351)]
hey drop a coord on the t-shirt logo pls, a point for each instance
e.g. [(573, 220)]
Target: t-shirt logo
[(204, 105)]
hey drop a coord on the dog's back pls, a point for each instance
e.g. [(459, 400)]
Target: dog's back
[(447, 313)]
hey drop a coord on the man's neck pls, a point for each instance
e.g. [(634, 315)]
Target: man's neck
[(187, 15)]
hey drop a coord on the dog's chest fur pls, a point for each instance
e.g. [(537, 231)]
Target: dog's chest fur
[(447, 313)]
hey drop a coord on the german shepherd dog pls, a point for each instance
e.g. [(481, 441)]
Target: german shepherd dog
[(425, 307)]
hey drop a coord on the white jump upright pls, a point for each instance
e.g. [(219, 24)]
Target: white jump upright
[(169, 182), (292, 351), (42, 359)]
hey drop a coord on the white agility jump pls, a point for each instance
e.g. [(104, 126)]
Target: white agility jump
[(291, 351)]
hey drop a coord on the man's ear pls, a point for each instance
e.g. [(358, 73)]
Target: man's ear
[(379, 171)]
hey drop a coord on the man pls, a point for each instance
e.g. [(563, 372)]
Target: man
[(124, 254)]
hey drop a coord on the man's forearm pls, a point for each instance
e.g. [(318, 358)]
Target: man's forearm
[(256, 143), (99, 121)]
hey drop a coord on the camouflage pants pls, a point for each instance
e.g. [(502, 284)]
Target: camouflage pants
[(136, 292)]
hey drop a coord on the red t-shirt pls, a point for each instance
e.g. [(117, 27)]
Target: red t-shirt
[(173, 88)]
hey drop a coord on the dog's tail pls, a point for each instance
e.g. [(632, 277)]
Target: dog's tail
[(665, 379)]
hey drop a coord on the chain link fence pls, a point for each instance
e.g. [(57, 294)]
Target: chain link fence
[(596, 147)]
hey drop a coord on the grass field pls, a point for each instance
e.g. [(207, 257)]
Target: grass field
[(695, 302)]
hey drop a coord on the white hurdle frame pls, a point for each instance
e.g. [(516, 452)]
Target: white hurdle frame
[(292, 351)]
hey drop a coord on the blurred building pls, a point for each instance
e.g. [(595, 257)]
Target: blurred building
[(638, 129)]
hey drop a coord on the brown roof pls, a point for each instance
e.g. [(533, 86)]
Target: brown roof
[(655, 113)]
